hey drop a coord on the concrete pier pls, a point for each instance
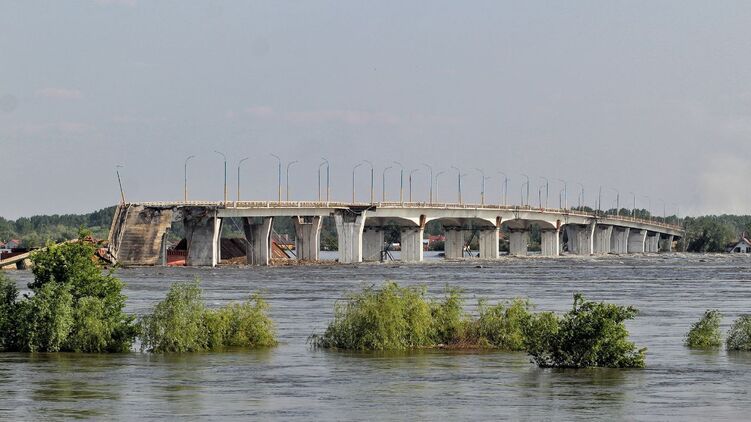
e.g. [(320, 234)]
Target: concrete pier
[(258, 234), (411, 244), (202, 231), (489, 247), (666, 243), (372, 243), (550, 242), (518, 242), (307, 238), (652, 243), (454, 244), (602, 235), (580, 238), (637, 241), (349, 230), (138, 236), (619, 240)]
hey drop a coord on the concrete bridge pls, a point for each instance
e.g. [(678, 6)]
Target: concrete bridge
[(139, 230)]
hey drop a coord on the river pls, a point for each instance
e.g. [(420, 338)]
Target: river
[(293, 382)]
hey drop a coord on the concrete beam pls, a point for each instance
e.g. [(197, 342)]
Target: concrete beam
[(372, 243), (202, 231), (489, 247), (307, 238), (258, 235), (550, 242), (411, 244), (518, 242), (453, 247), (619, 240), (602, 239), (349, 229)]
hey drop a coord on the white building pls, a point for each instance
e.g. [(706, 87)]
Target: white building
[(743, 246)]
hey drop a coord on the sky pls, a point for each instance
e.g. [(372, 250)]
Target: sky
[(650, 100)]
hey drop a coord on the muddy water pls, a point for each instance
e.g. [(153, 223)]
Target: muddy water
[(293, 382)]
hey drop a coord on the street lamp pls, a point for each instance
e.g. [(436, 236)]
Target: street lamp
[(436, 184), (383, 183), (413, 171), (547, 189), (649, 207), (328, 185), (527, 185), (617, 201), (372, 180), (120, 183), (279, 177), (353, 179), (238, 177), (565, 194), (287, 175), (185, 186), (505, 188), (663, 208), (225, 174), (459, 174), (633, 209), (430, 181), (482, 186), (581, 195), (401, 181), (325, 162)]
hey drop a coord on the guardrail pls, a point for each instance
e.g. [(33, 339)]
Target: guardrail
[(434, 205)]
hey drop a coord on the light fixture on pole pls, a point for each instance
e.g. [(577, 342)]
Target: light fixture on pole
[(328, 184), (527, 185), (287, 176), (372, 181), (278, 177), (565, 194), (120, 183), (225, 174), (459, 176), (505, 188), (383, 183), (401, 181), (430, 182), (413, 171), (185, 185), (353, 179), (547, 189), (238, 177), (436, 184), (482, 186)]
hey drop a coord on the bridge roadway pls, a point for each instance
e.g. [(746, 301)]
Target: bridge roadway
[(139, 230)]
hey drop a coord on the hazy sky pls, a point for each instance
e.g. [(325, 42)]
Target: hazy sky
[(650, 97)]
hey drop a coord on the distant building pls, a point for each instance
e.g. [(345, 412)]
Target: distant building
[(13, 244), (743, 246)]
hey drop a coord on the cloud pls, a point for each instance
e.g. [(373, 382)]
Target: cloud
[(60, 93)]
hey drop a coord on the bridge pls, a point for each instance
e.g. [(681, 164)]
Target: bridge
[(138, 232)]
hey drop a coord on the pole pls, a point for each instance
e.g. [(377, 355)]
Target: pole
[(459, 177), (413, 171), (328, 188), (383, 183), (238, 177), (225, 174), (482, 186), (547, 190), (565, 194), (185, 187), (278, 177), (430, 182), (353, 180), (287, 175), (633, 209), (504, 187), (401, 181), (527, 185), (372, 180), (120, 183), (436, 184)]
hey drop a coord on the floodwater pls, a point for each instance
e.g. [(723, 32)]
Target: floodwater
[(293, 382)]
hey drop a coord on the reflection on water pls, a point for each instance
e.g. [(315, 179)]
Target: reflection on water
[(294, 382)]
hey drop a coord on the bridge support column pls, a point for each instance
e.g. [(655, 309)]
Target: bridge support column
[(372, 243), (581, 239), (550, 242), (307, 238), (637, 241), (667, 243), (619, 240), (349, 230), (653, 242), (489, 243), (202, 236), (258, 235), (411, 244), (453, 247), (518, 242), (602, 239), (137, 236)]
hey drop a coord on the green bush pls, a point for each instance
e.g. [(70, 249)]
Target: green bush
[(592, 334), (74, 306), (705, 333), (739, 336), (502, 326), (449, 323), (182, 323)]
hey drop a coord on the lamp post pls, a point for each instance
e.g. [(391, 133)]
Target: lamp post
[(430, 182), (482, 186), (547, 189), (120, 183), (372, 180), (353, 179), (238, 177), (527, 186), (581, 195), (436, 184), (663, 208), (287, 176), (323, 163), (505, 188), (599, 201), (383, 183), (565, 194), (279, 177), (413, 171), (459, 175), (225, 174), (633, 209), (185, 185), (328, 185), (617, 201), (649, 207), (401, 181)]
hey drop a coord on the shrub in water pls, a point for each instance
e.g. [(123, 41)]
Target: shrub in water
[(591, 334), (182, 323), (502, 326), (705, 333), (739, 336), (74, 306), (450, 325)]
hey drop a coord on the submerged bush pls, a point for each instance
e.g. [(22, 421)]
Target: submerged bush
[(591, 334), (74, 305), (705, 333), (739, 336), (182, 323), (401, 318)]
